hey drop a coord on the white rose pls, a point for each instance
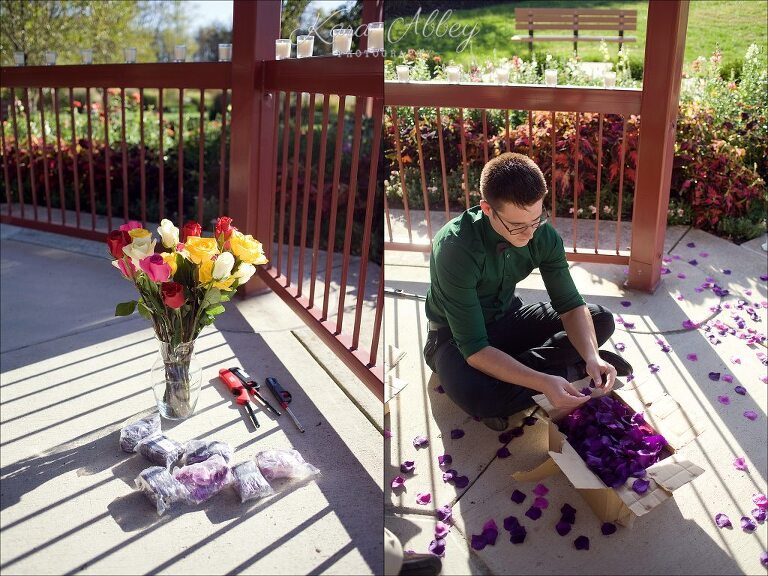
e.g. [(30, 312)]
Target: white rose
[(140, 248), (169, 234), (223, 267), (244, 273)]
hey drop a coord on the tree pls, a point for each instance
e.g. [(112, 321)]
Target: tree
[(208, 39)]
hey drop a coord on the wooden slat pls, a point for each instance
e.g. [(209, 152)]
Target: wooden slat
[(575, 26), (523, 12)]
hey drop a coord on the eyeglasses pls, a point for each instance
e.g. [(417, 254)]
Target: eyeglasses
[(515, 230)]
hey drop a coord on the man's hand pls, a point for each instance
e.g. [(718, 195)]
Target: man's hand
[(596, 367), (563, 395)]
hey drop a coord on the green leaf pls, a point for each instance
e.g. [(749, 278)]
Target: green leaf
[(144, 311), (215, 310), (125, 308), (212, 296)]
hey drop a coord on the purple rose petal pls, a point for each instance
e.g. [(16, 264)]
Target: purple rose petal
[(740, 390), (444, 460), (653, 368), (703, 254), (690, 324), (423, 498), (437, 547), (581, 543), (747, 524), (439, 389), (693, 357), (626, 303), (541, 502), (445, 514), (540, 490), (511, 522), (503, 452), (740, 464), (478, 542), (620, 346), (586, 391), (735, 360), (517, 534), (722, 520), (691, 245), (407, 466), (533, 513), (608, 528), (529, 420), (763, 277), (640, 485), (457, 433), (726, 271), (750, 415), (517, 497), (397, 482), (517, 431), (698, 289), (460, 481), (693, 262), (724, 399), (665, 270), (761, 501), (449, 475), (420, 442), (441, 529), (490, 532), (563, 527), (682, 276), (629, 325), (764, 559), (759, 514), (387, 433), (714, 376)]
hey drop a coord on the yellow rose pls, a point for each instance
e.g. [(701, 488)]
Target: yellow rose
[(139, 233), (170, 259), (247, 249), (205, 276), (200, 249)]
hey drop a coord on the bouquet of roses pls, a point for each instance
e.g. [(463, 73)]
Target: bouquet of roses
[(182, 287)]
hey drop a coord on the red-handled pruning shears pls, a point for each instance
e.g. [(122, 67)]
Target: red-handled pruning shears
[(253, 387), (239, 391)]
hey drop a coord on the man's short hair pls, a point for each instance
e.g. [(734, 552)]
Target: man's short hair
[(512, 177)]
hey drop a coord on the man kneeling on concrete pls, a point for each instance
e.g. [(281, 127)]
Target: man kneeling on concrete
[(491, 352)]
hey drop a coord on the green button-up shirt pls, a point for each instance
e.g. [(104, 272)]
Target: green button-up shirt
[(474, 272)]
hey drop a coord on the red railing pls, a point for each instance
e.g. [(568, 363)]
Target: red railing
[(555, 104)]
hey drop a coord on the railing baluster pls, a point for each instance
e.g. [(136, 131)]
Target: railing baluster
[(401, 166), (107, 157), (59, 161), (75, 156), (506, 129), (17, 150), (340, 117), (464, 157), (283, 180), (576, 158), (442, 164), (160, 159), (294, 186), (223, 156), (124, 150), (530, 134), (180, 161), (319, 199), (32, 179), (201, 159), (45, 155), (351, 196), (142, 160), (268, 249), (599, 175), (425, 194), (388, 217), (373, 359), (6, 176), (370, 204), (621, 180), (92, 185), (553, 190), (305, 197)]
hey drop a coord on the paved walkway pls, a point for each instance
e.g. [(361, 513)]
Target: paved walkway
[(72, 375), (678, 537)]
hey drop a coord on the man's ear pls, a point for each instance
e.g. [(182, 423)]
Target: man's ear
[(485, 207)]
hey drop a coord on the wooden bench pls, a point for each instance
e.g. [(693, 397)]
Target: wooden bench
[(574, 20)]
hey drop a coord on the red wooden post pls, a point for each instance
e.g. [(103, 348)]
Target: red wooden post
[(664, 49), (256, 26)]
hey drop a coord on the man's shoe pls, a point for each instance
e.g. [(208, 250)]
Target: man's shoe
[(498, 423), (421, 564), (623, 368)]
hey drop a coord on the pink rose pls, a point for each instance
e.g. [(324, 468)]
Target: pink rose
[(130, 225), (126, 267), (156, 268)]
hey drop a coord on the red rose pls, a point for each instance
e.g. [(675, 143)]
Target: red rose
[(116, 240), (173, 294), (224, 227), (191, 228)]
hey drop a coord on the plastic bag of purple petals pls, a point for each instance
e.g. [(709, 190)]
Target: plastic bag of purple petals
[(133, 433), (249, 482), (284, 464), (204, 479), (160, 488), (200, 450), (160, 450)]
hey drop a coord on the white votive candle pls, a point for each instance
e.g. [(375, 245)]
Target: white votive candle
[(50, 57), (609, 79), (179, 53), (129, 55), (342, 41), (403, 72), (502, 75), (282, 49), (453, 73), (19, 58), (87, 55), (305, 46), (375, 36), (225, 52), (550, 77)]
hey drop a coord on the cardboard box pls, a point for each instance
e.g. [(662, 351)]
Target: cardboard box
[(623, 505)]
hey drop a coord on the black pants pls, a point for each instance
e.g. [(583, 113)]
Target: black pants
[(531, 334)]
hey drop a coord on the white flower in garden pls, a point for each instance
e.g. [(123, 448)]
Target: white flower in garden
[(223, 267), (169, 234), (140, 248), (244, 273)]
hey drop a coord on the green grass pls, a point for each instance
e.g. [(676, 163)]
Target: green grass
[(731, 25)]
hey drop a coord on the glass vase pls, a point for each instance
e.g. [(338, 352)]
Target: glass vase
[(176, 380)]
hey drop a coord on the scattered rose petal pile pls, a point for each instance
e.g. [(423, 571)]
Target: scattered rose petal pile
[(487, 537)]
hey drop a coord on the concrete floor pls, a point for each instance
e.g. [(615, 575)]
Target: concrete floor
[(678, 537), (73, 375)]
